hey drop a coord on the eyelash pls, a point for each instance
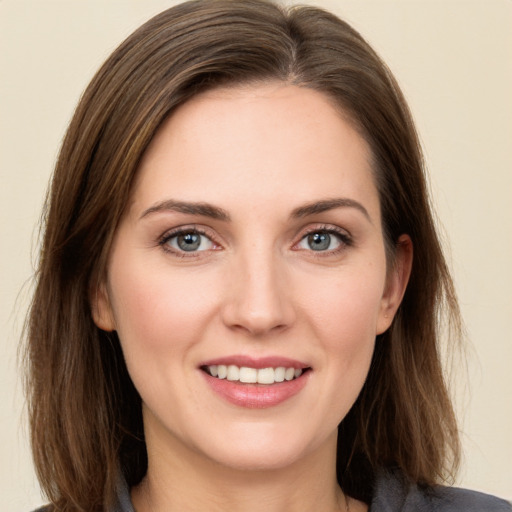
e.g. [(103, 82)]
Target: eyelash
[(344, 238), (186, 230)]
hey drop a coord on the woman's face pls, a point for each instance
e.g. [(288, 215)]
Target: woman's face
[(253, 240)]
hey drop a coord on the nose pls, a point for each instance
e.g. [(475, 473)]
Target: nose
[(258, 300)]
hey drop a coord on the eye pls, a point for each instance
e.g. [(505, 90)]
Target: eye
[(323, 240), (188, 241)]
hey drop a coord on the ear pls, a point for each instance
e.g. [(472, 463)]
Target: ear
[(101, 308), (396, 283)]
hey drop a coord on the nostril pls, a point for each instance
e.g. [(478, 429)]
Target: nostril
[(258, 303)]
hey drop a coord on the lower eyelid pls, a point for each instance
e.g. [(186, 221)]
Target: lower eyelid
[(172, 234), (342, 236), (341, 242), (175, 237)]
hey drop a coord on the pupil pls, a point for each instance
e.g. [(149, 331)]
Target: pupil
[(319, 241), (189, 242)]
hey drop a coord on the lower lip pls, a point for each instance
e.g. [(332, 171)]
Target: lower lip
[(256, 396)]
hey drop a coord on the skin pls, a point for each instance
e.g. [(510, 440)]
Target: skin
[(254, 288)]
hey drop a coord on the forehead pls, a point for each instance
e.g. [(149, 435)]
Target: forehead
[(265, 143)]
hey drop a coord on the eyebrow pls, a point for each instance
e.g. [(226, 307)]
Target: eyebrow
[(329, 204), (203, 209), (217, 213)]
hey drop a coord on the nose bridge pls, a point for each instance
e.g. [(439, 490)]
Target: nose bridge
[(259, 301)]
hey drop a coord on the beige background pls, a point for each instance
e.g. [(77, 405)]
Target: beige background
[(453, 59)]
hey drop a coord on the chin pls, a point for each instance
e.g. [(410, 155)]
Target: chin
[(247, 459), (264, 449)]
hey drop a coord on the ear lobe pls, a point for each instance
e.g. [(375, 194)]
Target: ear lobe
[(396, 283), (101, 309)]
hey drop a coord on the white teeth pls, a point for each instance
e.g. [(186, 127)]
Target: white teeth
[(253, 375), (289, 373), (222, 371), (249, 375), (266, 376), (233, 372), (279, 374)]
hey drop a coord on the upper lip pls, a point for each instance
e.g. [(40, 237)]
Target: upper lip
[(256, 362)]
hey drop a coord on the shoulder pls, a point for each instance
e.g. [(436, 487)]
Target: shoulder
[(394, 494), (452, 498)]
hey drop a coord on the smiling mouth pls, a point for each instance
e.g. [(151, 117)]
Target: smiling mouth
[(248, 375)]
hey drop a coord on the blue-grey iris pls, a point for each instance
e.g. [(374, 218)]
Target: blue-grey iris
[(189, 242), (319, 241)]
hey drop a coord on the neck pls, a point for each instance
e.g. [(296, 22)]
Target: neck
[(179, 479)]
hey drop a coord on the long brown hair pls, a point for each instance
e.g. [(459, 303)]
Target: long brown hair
[(85, 413)]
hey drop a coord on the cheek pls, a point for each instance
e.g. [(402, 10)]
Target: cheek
[(344, 315), (157, 311), (160, 319), (348, 331), (345, 308)]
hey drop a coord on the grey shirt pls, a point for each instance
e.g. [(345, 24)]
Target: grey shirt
[(392, 494)]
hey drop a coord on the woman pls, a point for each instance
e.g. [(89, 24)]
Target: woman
[(240, 281)]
